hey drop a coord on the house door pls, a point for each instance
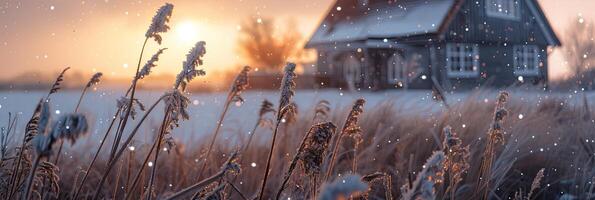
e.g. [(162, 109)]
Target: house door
[(352, 71), (397, 71)]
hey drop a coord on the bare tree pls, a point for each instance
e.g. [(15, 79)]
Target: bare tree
[(579, 46), (265, 46)]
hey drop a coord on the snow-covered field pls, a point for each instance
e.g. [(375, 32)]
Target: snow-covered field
[(205, 108)]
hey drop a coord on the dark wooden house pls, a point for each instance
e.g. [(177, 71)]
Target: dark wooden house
[(458, 44)]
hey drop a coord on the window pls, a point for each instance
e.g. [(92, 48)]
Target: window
[(526, 60), (462, 60), (508, 9), (352, 70), (396, 69)]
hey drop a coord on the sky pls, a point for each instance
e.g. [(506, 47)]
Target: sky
[(106, 35)]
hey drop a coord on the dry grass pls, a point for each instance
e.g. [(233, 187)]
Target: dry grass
[(391, 140), (542, 150)]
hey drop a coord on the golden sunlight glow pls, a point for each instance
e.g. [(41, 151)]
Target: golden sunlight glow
[(187, 31)]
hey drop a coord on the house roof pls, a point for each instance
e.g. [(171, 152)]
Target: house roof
[(404, 19), (397, 20)]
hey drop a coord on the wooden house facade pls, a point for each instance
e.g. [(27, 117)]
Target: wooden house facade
[(458, 44)]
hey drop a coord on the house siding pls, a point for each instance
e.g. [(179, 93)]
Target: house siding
[(471, 24), (416, 57), (496, 38), (496, 68)]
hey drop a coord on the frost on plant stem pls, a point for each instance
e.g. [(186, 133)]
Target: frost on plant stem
[(176, 104), (146, 70), (424, 185), (123, 103), (287, 88), (239, 85), (189, 71)]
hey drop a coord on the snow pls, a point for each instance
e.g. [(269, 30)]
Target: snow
[(206, 108), (412, 18)]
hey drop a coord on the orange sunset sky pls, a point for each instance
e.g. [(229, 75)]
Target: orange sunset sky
[(106, 35)]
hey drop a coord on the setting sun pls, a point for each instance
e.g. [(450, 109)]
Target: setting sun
[(187, 31)]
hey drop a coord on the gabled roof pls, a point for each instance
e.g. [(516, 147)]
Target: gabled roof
[(403, 19), (544, 25)]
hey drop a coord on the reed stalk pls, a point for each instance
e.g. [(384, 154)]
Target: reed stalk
[(94, 80), (268, 165), (30, 132), (132, 93), (292, 164), (118, 154), (495, 136), (239, 85), (213, 139), (230, 166), (349, 128), (129, 170), (27, 194), (140, 171), (79, 188), (159, 140), (186, 191), (287, 93), (265, 108), (117, 181)]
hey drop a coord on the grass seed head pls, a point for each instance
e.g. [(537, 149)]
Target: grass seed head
[(351, 127), (146, 70), (240, 84), (123, 103), (265, 107), (59, 79), (456, 162), (70, 126), (536, 183), (32, 127), (287, 89), (177, 103), (160, 21), (322, 110), (189, 71), (315, 147), (431, 174), (94, 79)]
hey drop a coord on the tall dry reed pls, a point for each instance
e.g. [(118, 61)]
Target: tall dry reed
[(350, 128), (239, 85), (287, 92), (495, 136)]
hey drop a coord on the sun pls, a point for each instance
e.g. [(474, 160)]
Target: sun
[(187, 31)]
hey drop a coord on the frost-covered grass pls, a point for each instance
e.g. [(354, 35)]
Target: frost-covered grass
[(205, 108), (401, 130)]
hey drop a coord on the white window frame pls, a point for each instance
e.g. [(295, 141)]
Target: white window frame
[(526, 60), (352, 69), (505, 9), (396, 73), (459, 55)]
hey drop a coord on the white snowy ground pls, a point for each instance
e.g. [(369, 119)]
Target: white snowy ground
[(205, 108)]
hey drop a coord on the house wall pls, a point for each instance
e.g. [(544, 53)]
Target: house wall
[(330, 67), (472, 24), (417, 59), (375, 66), (496, 38), (496, 69)]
